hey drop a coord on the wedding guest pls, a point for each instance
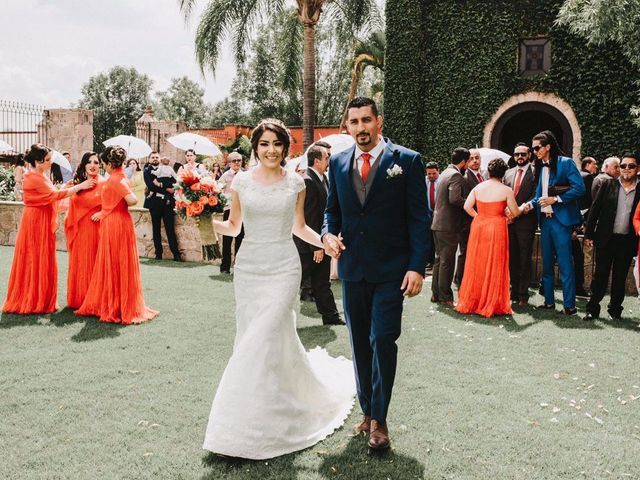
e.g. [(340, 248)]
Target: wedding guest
[(33, 281), (610, 169), (191, 165), (588, 172), (448, 221), (473, 176), (316, 266), (160, 202), (82, 233), (485, 285), (136, 180), (118, 296), (18, 175), (432, 172), (67, 175), (521, 180), (177, 166), (611, 227), (216, 172), (235, 162), (558, 189)]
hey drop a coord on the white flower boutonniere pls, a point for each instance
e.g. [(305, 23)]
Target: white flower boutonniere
[(394, 171)]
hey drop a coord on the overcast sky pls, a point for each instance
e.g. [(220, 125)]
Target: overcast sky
[(50, 48)]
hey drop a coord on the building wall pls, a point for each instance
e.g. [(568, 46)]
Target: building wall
[(450, 64)]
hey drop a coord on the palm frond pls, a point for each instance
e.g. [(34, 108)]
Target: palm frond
[(290, 50), (186, 7), (359, 17)]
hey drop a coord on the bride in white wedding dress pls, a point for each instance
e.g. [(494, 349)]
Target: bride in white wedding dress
[(274, 397)]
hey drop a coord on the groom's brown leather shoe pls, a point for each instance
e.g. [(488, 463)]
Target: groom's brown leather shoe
[(364, 426), (379, 436)]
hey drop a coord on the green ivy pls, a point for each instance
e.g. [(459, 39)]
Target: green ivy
[(452, 63)]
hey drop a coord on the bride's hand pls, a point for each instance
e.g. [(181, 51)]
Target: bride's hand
[(333, 245)]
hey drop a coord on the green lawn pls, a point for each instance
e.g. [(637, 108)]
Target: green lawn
[(526, 397)]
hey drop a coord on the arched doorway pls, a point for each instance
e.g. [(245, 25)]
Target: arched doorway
[(524, 115)]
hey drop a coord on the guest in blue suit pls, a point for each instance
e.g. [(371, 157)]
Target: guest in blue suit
[(560, 186), (376, 224)]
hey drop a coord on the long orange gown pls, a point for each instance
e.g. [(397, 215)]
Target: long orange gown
[(115, 291), (82, 242), (485, 284), (33, 282), (636, 228)]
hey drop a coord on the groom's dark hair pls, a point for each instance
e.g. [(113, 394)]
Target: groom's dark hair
[(460, 154), (359, 102)]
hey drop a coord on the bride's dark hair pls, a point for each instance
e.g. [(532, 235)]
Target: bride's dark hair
[(276, 126)]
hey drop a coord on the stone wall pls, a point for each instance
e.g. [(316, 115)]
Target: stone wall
[(187, 232), (69, 129)]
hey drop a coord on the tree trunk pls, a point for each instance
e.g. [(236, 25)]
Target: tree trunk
[(309, 84), (356, 75)]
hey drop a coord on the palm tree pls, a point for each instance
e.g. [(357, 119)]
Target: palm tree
[(368, 53), (238, 19)]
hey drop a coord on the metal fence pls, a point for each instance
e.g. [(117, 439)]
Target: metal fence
[(21, 124)]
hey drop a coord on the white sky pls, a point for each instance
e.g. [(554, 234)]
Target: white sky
[(50, 48)]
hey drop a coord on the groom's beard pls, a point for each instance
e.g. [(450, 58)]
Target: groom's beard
[(363, 139)]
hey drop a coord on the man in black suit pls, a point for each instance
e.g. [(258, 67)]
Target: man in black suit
[(472, 176), (161, 202), (610, 227), (522, 230), (432, 171), (316, 266)]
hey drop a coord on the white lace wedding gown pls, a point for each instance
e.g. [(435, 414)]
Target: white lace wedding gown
[(274, 397)]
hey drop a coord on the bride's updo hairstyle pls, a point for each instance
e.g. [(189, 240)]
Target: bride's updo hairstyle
[(114, 156), (276, 126), (497, 168), (36, 153)]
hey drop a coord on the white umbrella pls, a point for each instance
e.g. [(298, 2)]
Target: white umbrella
[(488, 154), (200, 144), (293, 163), (135, 147), (5, 147), (339, 143), (58, 158)]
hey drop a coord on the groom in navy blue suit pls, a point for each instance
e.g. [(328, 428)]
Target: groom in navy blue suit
[(560, 186), (376, 224)]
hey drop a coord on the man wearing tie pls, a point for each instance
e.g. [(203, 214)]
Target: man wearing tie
[(558, 190), (473, 176), (522, 230), (432, 173), (316, 265)]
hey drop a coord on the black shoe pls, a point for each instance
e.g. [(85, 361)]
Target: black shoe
[(227, 272), (589, 316), (307, 297), (158, 257), (178, 259), (333, 321), (544, 306), (570, 311), (582, 293), (615, 316)]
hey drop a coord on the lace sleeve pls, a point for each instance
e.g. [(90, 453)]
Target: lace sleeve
[(297, 182)]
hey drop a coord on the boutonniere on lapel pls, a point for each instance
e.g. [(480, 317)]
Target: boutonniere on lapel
[(394, 171)]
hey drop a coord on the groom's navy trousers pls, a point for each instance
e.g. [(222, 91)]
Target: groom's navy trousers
[(373, 312)]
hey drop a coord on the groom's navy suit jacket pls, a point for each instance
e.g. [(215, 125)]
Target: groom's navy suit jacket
[(386, 236)]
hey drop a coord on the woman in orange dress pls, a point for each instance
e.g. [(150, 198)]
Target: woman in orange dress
[(116, 295), (636, 228), (33, 282), (81, 231), (485, 284)]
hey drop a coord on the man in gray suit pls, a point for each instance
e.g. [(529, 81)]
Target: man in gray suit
[(610, 169), (448, 218), (472, 176), (522, 230)]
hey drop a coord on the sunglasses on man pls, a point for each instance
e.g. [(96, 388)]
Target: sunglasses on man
[(628, 166), (520, 154)]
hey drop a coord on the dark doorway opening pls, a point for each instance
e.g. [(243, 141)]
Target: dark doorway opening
[(522, 122)]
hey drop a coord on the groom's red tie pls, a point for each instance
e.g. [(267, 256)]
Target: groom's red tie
[(366, 166)]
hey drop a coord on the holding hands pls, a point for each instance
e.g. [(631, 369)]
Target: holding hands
[(333, 245)]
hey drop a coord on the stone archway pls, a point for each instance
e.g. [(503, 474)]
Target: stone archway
[(530, 113)]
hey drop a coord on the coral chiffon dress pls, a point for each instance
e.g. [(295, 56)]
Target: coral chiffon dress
[(33, 282), (82, 242), (115, 290), (485, 284)]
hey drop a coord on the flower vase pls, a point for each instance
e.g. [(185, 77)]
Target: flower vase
[(208, 239)]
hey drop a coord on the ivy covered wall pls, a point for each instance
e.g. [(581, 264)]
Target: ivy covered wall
[(451, 63)]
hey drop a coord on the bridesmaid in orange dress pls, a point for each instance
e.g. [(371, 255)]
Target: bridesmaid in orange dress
[(33, 282), (116, 293), (81, 231), (636, 228), (485, 284)]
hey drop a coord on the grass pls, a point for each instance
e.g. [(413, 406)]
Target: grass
[(533, 396)]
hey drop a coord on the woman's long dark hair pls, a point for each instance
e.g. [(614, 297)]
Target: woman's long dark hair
[(81, 172), (276, 126), (546, 137), (56, 174), (36, 153)]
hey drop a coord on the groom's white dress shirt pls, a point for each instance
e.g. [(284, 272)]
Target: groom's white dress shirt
[(375, 153)]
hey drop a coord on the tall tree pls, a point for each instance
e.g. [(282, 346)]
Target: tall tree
[(237, 19), (118, 98), (600, 21), (183, 101)]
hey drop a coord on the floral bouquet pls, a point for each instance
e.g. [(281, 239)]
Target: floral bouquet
[(199, 197)]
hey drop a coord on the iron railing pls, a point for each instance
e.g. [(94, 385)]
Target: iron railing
[(22, 124)]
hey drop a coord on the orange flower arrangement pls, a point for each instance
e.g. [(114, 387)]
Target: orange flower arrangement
[(198, 196)]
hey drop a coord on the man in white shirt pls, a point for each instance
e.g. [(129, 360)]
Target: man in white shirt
[(235, 162)]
